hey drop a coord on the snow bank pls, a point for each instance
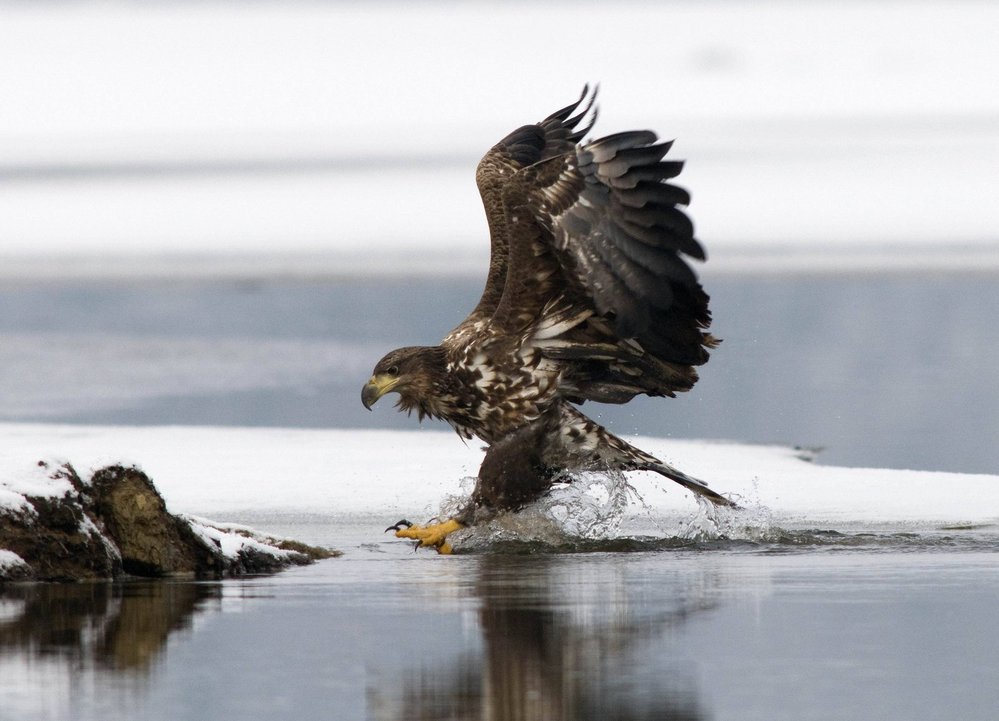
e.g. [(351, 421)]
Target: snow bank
[(226, 472)]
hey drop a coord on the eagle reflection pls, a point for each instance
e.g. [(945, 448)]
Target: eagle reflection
[(546, 658)]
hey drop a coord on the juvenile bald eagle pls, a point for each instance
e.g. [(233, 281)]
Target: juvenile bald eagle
[(588, 297)]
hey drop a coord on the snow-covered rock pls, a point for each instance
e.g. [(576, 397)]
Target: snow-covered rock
[(57, 526)]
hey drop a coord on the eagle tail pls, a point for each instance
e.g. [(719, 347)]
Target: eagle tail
[(580, 435), (690, 483)]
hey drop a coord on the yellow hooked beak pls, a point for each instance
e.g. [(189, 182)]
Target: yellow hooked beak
[(377, 387)]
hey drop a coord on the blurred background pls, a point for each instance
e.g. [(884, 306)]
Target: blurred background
[(225, 213)]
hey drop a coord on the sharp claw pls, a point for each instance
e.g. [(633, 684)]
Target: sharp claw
[(431, 536), (399, 525)]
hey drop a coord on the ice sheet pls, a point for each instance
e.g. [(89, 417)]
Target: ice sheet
[(224, 472)]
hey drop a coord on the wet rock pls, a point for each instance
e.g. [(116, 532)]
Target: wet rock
[(63, 528)]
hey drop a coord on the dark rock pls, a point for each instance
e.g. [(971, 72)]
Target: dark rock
[(57, 539), (117, 524), (152, 542)]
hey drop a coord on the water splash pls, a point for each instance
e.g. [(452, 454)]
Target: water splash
[(589, 505), (603, 512), (750, 521), (580, 508)]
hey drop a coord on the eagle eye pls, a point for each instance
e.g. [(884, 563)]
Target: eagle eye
[(393, 370)]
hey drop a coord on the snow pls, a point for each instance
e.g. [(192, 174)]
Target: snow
[(29, 479), (9, 561), (225, 473), (233, 539), (167, 138)]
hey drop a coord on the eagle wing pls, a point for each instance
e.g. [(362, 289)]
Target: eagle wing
[(553, 137), (596, 276)]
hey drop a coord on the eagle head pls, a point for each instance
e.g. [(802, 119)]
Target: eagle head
[(416, 373)]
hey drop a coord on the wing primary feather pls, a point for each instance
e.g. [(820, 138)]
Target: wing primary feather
[(575, 119), (663, 170), (607, 147), (645, 192), (625, 160), (662, 261), (563, 113), (658, 236), (665, 216), (633, 276)]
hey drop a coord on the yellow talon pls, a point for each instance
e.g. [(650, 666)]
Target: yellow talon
[(434, 535)]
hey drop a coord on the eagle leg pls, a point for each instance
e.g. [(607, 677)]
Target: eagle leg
[(513, 472), (431, 536)]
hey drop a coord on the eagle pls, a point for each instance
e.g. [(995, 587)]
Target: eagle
[(588, 297)]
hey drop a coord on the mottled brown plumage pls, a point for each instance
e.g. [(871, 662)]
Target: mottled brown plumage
[(588, 297)]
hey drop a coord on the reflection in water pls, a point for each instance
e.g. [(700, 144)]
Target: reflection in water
[(122, 626), (548, 654)]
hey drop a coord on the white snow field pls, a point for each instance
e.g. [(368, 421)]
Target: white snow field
[(212, 138), (348, 476)]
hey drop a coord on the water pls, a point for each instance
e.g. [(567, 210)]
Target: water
[(879, 370), (752, 623), (723, 631)]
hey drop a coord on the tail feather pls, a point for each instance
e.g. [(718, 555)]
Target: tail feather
[(580, 437), (692, 484)]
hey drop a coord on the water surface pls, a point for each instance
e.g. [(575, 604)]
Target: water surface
[(880, 370), (889, 370), (704, 631)]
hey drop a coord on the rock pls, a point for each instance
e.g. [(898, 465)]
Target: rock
[(58, 527), (56, 538), (151, 541)]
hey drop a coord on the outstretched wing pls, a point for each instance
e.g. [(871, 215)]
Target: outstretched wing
[(554, 136), (596, 272)]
